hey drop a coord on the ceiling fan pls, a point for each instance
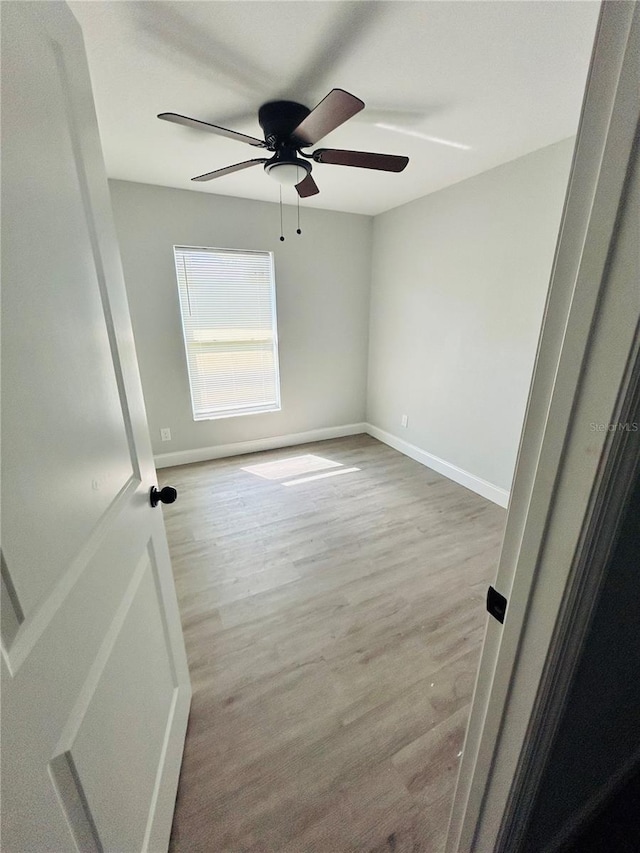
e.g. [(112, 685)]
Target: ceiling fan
[(288, 128)]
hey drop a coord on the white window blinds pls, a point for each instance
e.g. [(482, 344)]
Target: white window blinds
[(228, 305)]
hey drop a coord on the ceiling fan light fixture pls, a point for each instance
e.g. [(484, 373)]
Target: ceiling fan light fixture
[(288, 174), (288, 128)]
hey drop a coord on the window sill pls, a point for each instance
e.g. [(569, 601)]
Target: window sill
[(224, 415)]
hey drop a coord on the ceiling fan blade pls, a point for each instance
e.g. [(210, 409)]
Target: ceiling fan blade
[(361, 159), (237, 167), (331, 112), (307, 187), (212, 128)]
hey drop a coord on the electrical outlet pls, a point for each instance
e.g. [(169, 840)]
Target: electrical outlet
[(404, 421), (165, 434)]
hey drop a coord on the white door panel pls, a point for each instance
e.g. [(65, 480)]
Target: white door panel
[(55, 322), (95, 684)]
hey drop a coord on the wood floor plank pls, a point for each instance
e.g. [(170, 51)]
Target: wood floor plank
[(333, 630)]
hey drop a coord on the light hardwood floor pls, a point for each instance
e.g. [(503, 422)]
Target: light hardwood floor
[(333, 630)]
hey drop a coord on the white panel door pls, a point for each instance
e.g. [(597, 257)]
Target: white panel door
[(95, 686)]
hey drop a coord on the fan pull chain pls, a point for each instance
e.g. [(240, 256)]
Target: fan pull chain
[(281, 234), (298, 231)]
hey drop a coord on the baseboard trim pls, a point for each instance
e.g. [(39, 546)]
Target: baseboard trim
[(458, 475), (238, 448)]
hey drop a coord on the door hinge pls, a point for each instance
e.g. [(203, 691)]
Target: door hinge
[(496, 604)]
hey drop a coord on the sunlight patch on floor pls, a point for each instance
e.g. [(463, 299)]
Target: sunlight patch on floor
[(319, 476), (292, 467)]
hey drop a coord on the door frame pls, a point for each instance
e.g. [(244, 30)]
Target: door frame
[(587, 365), (609, 502)]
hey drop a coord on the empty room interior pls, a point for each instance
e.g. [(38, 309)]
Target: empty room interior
[(335, 352)]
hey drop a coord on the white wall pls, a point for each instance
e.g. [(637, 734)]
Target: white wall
[(446, 292), (459, 281), (322, 280)]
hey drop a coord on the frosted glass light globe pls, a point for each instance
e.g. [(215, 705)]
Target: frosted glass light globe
[(287, 174)]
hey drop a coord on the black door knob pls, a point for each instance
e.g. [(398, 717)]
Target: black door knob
[(167, 495)]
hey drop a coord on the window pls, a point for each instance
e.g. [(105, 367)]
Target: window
[(228, 305)]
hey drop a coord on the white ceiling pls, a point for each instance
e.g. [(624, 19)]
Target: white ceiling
[(503, 78)]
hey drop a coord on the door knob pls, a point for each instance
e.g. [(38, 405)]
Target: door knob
[(167, 495)]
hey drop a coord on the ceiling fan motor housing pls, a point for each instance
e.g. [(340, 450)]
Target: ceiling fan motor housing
[(278, 120)]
